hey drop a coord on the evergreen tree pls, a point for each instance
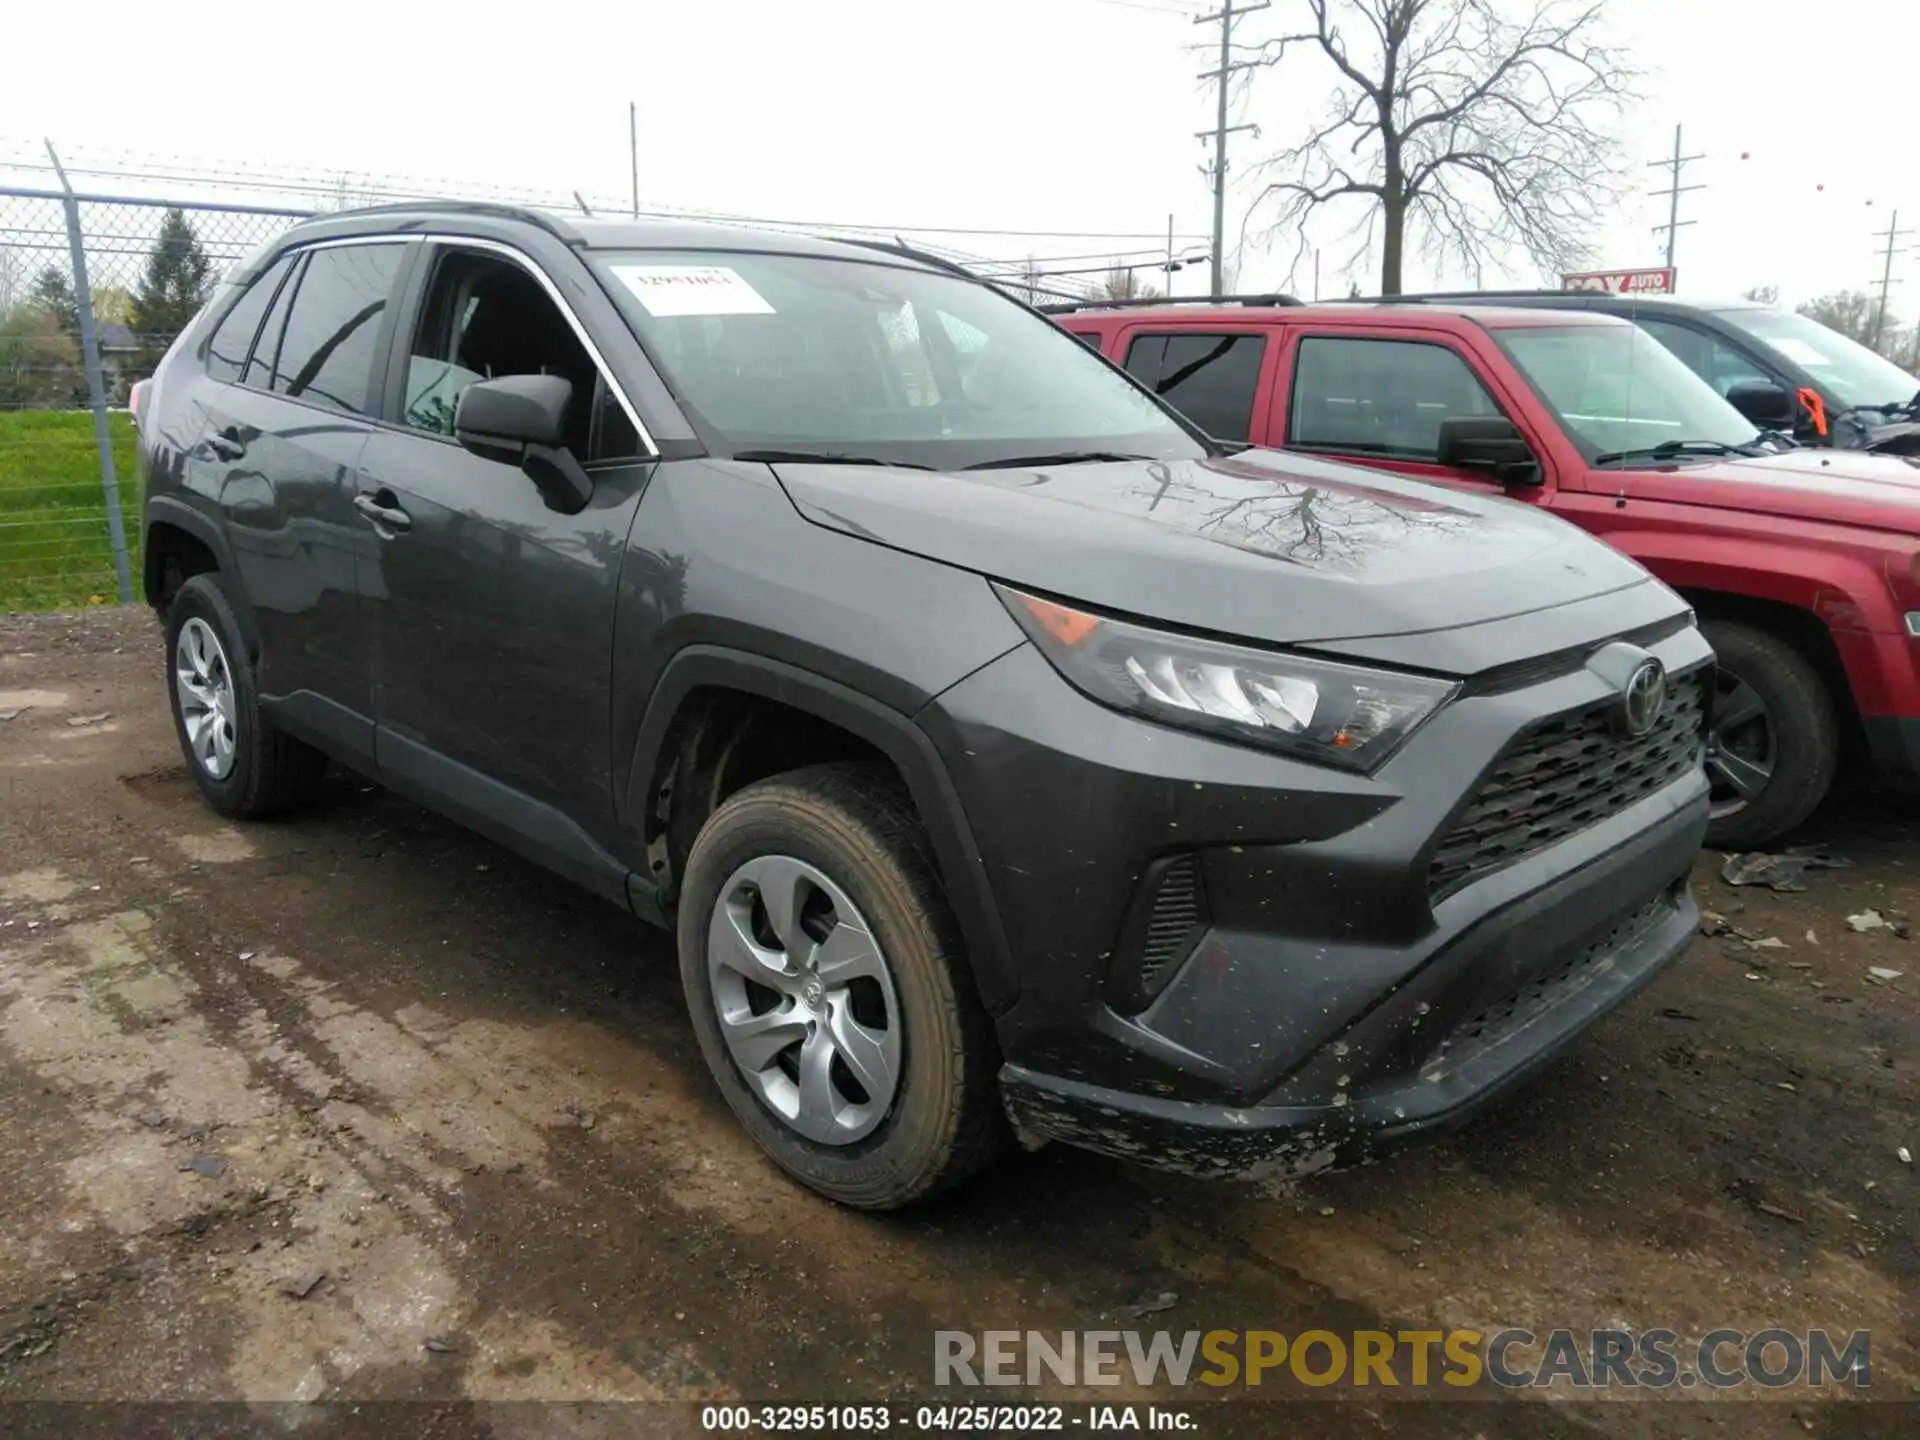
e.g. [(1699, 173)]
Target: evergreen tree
[(174, 287), (53, 293)]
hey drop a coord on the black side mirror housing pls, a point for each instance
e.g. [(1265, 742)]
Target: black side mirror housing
[(1764, 403), (521, 420), (1488, 442)]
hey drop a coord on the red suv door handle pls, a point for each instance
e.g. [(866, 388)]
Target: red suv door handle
[(384, 517)]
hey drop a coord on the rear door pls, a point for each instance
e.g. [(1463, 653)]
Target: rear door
[(280, 438), (1377, 397)]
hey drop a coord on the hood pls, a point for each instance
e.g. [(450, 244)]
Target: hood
[(1845, 487), (1280, 548)]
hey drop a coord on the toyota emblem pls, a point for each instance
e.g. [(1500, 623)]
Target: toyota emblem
[(1642, 698)]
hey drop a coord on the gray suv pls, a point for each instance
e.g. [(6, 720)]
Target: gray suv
[(1009, 758)]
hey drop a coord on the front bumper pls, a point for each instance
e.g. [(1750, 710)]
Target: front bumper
[(1331, 994), (1557, 976), (1894, 743)]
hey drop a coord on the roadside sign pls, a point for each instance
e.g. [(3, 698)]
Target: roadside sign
[(1622, 282)]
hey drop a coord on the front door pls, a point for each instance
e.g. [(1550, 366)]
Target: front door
[(493, 614)]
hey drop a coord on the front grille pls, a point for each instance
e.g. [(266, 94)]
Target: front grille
[(1562, 775), (1176, 913)]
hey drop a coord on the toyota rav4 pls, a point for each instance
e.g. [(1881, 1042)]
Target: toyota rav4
[(1009, 759)]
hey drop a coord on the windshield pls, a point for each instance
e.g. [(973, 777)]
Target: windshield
[(1618, 390), (1848, 370), (802, 355)]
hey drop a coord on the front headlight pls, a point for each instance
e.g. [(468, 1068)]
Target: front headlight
[(1317, 710)]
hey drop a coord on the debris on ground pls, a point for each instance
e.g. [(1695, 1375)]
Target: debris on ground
[(583, 1118), (78, 722), (440, 1345), (1152, 1305), (10, 714), (1713, 923), (1780, 872), (1880, 975), (211, 1166), (1769, 942), (1774, 1210), (1906, 1155), (304, 1286), (1867, 920)]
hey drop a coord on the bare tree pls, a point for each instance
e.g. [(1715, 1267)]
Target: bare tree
[(1762, 294), (1851, 312), (1484, 132), (1120, 283)]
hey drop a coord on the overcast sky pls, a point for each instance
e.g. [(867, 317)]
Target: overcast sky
[(1022, 115)]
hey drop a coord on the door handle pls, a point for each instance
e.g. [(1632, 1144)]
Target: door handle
[(384, 517), (226, 443)]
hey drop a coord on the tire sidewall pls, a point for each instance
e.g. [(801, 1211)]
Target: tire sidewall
[(914, 1136), (200, 597), (1805, 733)]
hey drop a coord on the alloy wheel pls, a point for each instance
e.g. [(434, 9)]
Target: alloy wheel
[(203, 680), (1740, 745), (805, 999)]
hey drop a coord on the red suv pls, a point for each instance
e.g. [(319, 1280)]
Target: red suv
[(1803, 564)]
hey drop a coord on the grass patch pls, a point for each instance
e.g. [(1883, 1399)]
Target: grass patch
[(54, 546)]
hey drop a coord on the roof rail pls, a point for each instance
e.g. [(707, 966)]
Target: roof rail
[(552, 225), (897, 246), (1169, 300), (1453, 297)]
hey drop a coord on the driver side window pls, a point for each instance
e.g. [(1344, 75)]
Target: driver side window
[(485, 317)]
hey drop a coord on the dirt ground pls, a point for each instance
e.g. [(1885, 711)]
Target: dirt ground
[(367, 1047)]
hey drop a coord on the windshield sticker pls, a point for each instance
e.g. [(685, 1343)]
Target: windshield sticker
[(1799, 351), (665, 290)]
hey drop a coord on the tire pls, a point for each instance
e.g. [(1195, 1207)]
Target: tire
[(262, 772), (852, 827), (1803, 746)]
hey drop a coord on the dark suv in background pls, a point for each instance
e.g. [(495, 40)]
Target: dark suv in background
[(1001, 749), (1778, 368)]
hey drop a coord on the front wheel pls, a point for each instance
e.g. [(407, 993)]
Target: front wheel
[(1774, 744), (829, 992)]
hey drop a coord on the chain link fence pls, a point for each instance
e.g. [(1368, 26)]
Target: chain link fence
[(93, 289)]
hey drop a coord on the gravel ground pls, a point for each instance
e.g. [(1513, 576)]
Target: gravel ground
[(360, 1107)]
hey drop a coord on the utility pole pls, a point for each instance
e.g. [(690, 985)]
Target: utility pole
[(1674, 191), (1224, 18), (633, 153), (1887, 282)]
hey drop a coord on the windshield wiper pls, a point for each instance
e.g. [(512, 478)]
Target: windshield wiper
[(1890, 408), (1673, 449), (1064, 457), (822, 457)]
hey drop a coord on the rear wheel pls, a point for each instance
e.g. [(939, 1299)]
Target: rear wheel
[(827, 986), (1774, 745), (244, 767)]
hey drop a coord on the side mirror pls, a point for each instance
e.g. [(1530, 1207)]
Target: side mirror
[(1488, 442), (1764, 403), (521, 419)]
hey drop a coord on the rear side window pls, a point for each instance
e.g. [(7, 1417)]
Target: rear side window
[(1712, 359), (1379, 397), (233, 341), (266, 349), (327, 353), (1211, 379)]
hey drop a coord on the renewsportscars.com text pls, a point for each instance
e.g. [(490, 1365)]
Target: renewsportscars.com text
[(1597, 1359)]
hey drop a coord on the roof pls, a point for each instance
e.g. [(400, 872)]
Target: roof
[(592, 232), (1490, 316)]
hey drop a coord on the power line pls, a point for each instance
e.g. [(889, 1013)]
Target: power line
[(1224, 18), (1893, 233), (1673, 192)]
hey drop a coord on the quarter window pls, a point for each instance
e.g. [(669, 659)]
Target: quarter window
[(1379, 397), (1211, 379), (327, 354), (233, 339)]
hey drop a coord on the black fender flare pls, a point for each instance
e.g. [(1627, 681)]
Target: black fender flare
[(895, 735), (169, 510)]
